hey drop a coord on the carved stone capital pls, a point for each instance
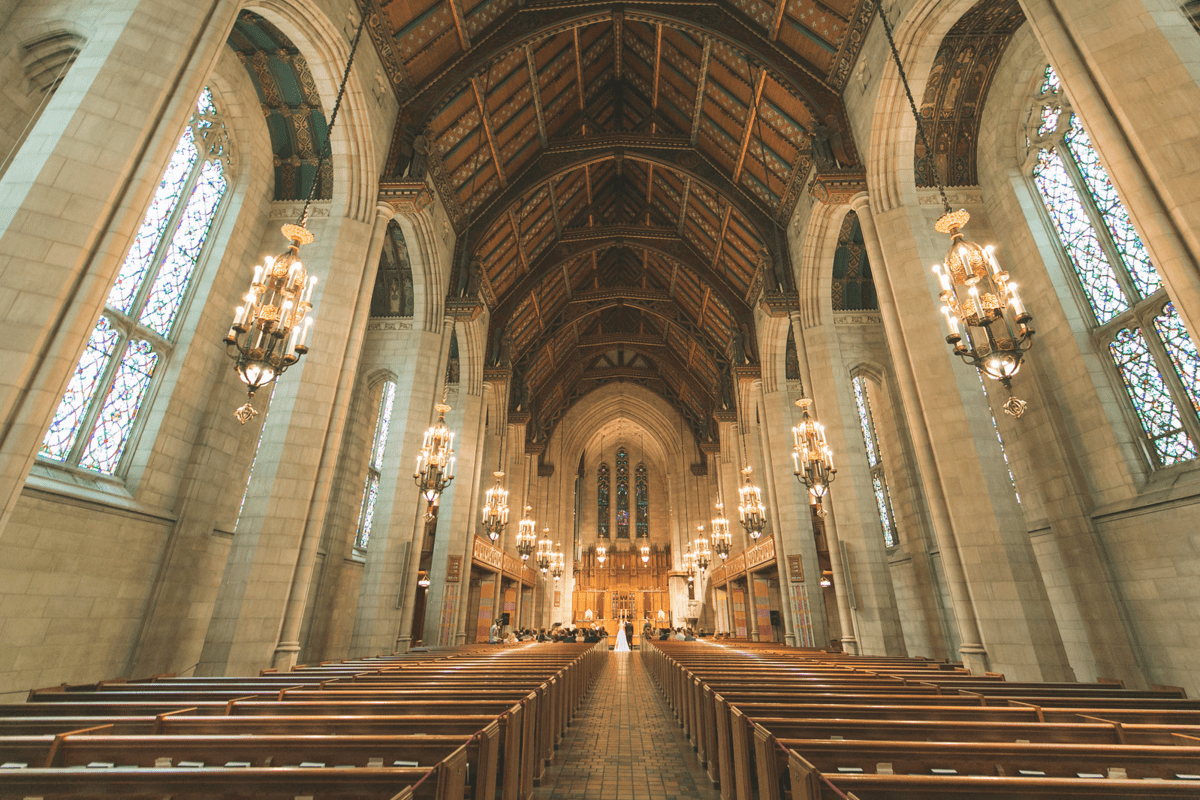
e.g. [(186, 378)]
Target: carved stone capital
[(406, 197)]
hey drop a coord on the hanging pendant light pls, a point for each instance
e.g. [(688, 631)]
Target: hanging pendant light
[(721, 538), (703, 550), (495, 502), (270, 330), (811, 455), (644, 549), (557, 563), (987, 325), (495, 508), (752, 512), (689, 563), (601, 552), (545, 549), (526, 535)]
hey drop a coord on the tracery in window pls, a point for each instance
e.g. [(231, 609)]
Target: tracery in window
[(883, 501), (641, 499), (134, 335), (602, 489), (853, 286), (622, 494), (383, 422), (1151, 351)]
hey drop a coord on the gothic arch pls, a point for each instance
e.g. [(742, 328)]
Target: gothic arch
[(891, 173), (355, 170)]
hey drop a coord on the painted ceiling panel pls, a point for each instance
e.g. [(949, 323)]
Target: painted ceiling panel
[(691, 155)]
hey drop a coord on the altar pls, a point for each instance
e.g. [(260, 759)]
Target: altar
[(622, 588)]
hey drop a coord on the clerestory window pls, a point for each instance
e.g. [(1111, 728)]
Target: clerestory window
[(1134, 320), (383, 423), (96, 417)]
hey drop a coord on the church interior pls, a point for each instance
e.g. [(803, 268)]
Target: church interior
[(801, 347)]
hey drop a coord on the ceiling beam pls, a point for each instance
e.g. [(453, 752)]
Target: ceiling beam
[(537, 98), (618, 18), (720, 245), (578, 71), (570, 155), (780, 5), (657, 71), (459, 24), (683, 204), (671, 246), (516, 229), (701, 87), (749, 128), (554, 212), (535, 22), (486, 121)]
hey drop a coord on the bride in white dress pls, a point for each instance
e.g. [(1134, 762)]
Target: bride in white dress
[(622, 642)]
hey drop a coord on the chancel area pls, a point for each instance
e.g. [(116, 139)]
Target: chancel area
[(413, 359)]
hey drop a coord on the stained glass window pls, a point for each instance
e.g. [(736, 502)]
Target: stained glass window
[(1157, 364), (641, 499), (97, 415), (622, 494), (383, 424), (862, 401), (853, 286), (602, 489)]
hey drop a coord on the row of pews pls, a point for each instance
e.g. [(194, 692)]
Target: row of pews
[(475, 722), (775, 723)]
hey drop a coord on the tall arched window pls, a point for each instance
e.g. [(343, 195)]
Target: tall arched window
[(383, 422), (136, 331), (883, 501), (1135, 321), (641, 499), (853, 286), (622, 494), (602, 487)]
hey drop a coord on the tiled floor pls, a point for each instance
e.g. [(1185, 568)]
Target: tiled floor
[(625, 743)]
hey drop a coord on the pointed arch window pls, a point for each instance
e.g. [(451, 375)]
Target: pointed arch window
[(96, 418), (641, 499), (883, 500), (853, 286), (383, 423), (602, 489), (622, 494), (1135, 322)]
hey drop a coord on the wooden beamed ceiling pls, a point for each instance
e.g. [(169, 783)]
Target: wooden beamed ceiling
[(620, 171)]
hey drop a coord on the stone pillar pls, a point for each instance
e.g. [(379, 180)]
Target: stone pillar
[(997, 589), (72, 201), (259, 575), (972, 650), (288, 647)]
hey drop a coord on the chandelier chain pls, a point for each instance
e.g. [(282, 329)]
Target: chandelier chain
[(337, 105), (912, 104)]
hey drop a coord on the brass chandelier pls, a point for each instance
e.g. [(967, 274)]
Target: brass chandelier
[(495, 502), (601, 553), (811, 455), (557, 563), (987, 325), (435, 462), (526, 535), (703, 551), (270, 330), (751, 511), (545, 549), (721, 538)]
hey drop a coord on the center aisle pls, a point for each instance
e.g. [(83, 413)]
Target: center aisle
[(625, 743)]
